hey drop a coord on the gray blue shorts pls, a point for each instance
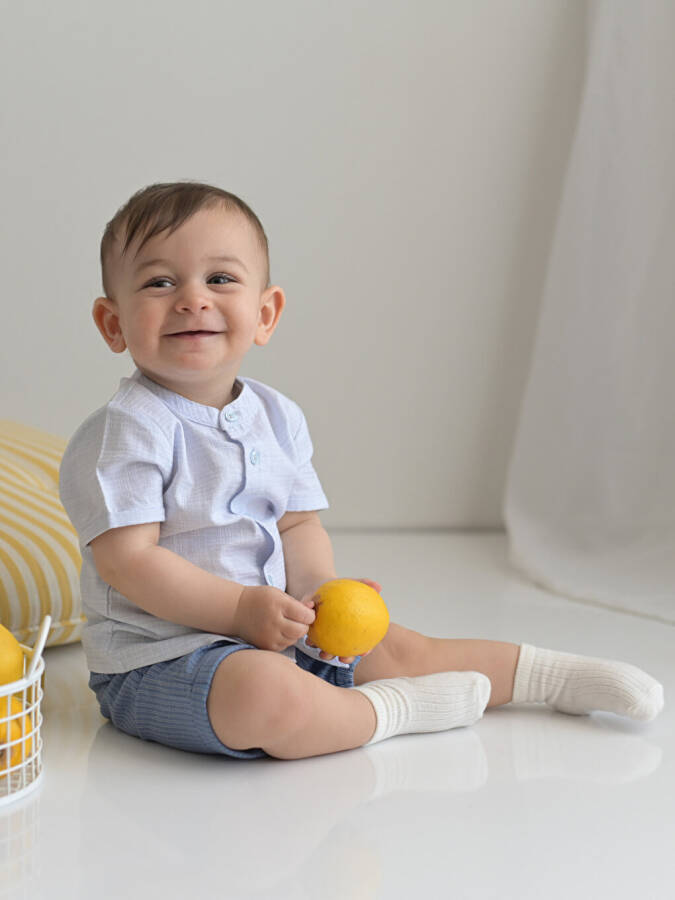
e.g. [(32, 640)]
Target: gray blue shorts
[(166, 702)]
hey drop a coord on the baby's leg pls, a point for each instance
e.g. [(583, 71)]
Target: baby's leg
[(521, 674), (406, 652), (262, 699)]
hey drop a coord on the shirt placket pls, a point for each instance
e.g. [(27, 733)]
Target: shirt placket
[(232, 424)]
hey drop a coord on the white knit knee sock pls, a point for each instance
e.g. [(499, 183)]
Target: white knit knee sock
[(427, 702), (580, 684)]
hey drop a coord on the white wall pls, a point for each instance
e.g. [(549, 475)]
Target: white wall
[(406, 159)]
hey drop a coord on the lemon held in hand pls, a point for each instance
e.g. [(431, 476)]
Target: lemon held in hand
[(351, 618)]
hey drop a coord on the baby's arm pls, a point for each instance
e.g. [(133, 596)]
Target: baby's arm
[(168, 586), (308, 553), (162, 582), (309, 561)]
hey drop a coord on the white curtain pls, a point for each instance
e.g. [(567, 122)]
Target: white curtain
[(590, 498)]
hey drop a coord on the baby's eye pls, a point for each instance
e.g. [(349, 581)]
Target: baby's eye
[(161, 282)]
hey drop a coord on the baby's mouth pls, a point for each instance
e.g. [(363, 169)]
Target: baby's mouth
[(193, 333)]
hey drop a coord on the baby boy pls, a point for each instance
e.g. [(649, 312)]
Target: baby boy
[(196, 504)]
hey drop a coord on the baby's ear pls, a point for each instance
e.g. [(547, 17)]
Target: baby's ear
[(106, 316), (272, 303)]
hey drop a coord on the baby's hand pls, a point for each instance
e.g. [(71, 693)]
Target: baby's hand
[(308, 598), (271, 619)]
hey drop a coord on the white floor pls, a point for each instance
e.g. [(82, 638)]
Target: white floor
[(526, 804)]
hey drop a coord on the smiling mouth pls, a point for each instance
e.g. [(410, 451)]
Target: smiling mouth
[(193, 333)]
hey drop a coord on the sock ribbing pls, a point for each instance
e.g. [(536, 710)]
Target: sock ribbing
[(580, 684), (426, 703)]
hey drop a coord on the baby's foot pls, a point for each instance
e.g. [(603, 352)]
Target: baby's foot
[(580, 684)]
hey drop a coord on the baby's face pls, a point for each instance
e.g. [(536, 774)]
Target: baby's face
[(190, 305)]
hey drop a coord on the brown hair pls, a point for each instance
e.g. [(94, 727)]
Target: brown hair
[(166, 206)]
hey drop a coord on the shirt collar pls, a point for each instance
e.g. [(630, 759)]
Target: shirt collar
[(235, 415)]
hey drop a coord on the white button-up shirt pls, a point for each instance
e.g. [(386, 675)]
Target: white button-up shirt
[(217, 481)]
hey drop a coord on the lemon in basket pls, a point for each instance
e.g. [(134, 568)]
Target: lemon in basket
[(11, 657), (19, 727), (351, 618)]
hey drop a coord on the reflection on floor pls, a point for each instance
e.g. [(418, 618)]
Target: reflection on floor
[(528, 803)]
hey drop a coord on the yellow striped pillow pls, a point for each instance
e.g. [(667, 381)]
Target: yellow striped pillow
[(39, 552)]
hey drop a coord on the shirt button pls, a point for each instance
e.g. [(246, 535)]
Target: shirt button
[(254, 457), (231, 415)]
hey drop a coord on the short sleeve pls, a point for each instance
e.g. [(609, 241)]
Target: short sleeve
[(113, 472), (306, 492)]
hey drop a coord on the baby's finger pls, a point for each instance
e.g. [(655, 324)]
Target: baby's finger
[(344, 659), (292, 631), (300, 612)]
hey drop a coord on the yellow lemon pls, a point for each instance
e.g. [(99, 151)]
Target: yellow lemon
[(351, 618), (11, 657), (18, 728)]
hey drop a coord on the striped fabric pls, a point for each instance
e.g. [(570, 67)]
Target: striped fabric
[(39, 552)]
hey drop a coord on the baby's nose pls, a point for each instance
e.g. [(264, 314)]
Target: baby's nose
[(193, 298)]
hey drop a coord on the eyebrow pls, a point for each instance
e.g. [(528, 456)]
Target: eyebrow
[(165, 262)]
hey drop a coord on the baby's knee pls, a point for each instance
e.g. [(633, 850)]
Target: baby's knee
[(255, 696)]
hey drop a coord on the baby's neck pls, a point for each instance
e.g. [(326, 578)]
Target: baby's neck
[(203, 395)]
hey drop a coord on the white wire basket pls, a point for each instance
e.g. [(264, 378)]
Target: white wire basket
[(21, 724)]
